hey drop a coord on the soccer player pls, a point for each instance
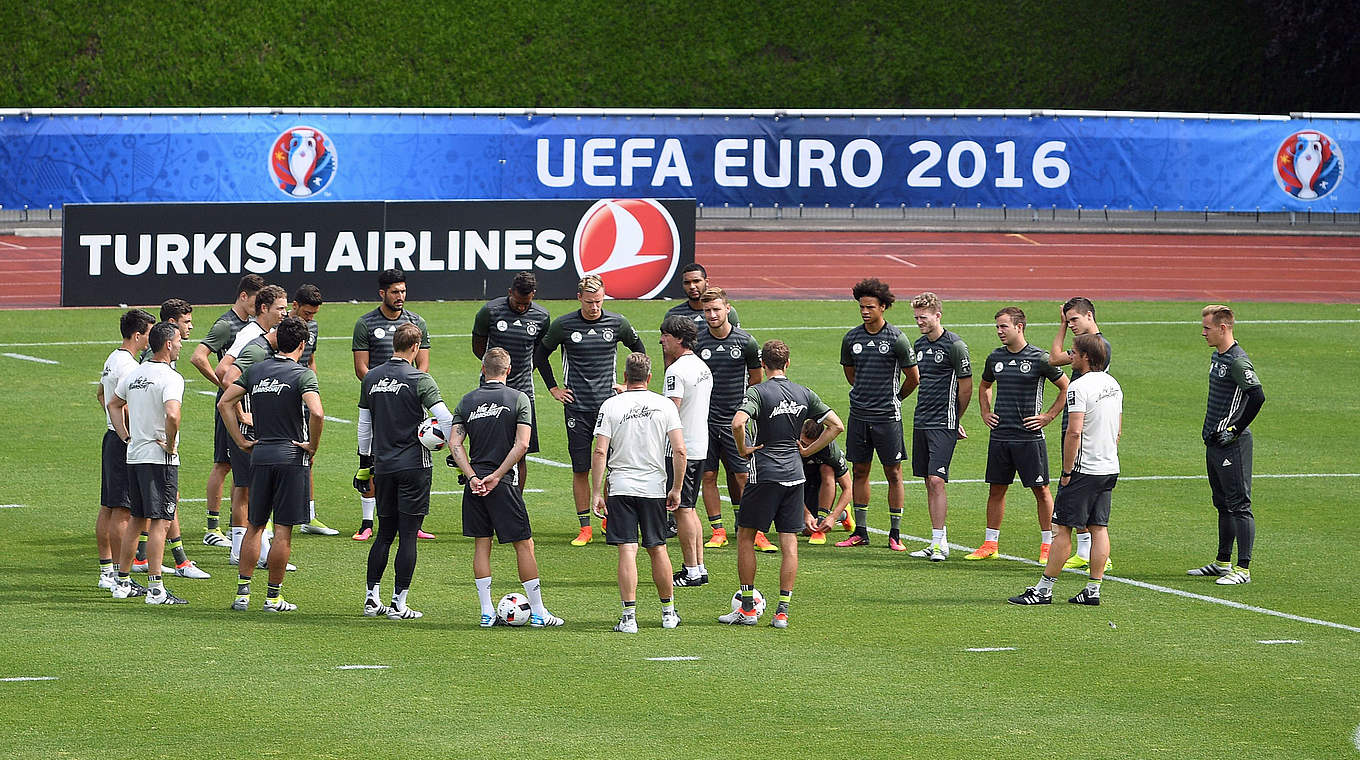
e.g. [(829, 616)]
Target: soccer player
[(1090, 468), (307, 302), (499, 420), (779, 408), (372, 345), (825, 470), (694, 280), (630, 440), (152, 394), (589, 338), (1235, 398), (946, 387), (517, 324), (392, 403), (114, 510), (881, 368), (1017, 421), (734, 359), (285, 402), (1078, 315), (689, 383), (219, 338)]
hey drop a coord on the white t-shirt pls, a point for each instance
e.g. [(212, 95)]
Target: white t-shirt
[(146, 389), (637, 423), (1100, 398), (248, 333), (689, 379), (117, 365)]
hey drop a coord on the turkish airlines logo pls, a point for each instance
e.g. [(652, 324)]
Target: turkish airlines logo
[(631, 244)]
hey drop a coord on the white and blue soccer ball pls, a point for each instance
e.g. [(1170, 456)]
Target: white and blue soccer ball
[(430, 435), (758, 597), (514, 609)]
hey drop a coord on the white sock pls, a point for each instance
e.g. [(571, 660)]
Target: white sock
[(534, 589), (399, 599), (374, 593), (311, 510), (264, 547), (1084, 546), (993, 535), (692, 572), (484, 595), (937, 537), (369, 506), (1045, 536), (702, 570), (237, 533)]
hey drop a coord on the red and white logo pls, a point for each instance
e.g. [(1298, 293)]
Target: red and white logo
[(631, 244)]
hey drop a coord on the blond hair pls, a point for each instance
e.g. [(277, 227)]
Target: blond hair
[(926, 300), (590, 284), (1223, 315)]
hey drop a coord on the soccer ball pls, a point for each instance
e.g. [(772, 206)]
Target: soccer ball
[(513, 609), (759, 600), (431, 437)]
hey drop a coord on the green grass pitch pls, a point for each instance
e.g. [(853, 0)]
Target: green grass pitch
[(875, 664)]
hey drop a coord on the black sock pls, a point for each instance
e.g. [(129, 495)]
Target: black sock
[(176, 545), (243, 585), (214, 520), (141, 548), (366, 525), (748, 598), (275, 589), (584, 518)]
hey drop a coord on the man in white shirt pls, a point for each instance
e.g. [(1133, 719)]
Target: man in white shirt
[(631, 432), (1090, 468), (152, 395), (689, 383)]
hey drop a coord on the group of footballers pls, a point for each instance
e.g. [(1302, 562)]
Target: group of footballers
[(640, 461)]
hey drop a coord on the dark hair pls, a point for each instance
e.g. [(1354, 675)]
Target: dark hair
[(813, 429), (681, 328), (307, 294), (694, 266), (1093, 348), (161, 335), (267, 296), (390, 277), (875, 288), (406, 336), (525, 283), (292, 332), (1080, 305), (250, 284), (1016, 314), (774, 354), (135, 321), (174, 308), (637, 367)]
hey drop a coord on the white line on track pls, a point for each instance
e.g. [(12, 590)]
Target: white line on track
[(362, 667), (29, 678), (899, 260), (1084, 245), (672, 659), (12, 245), (990, 649), (27, 358), (1278, 641)]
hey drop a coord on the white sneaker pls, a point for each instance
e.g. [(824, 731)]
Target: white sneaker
[(739, 617), (140, 567), (162, 596), (939, 553), (375, 608), (1236, 577), (627, 624), (216, 538), (924, 552), (547, 620), (241, 603), (405, 613), (278, 605), (670, 619), (107, 581), (190, 570), (319, 528), (263, 564)]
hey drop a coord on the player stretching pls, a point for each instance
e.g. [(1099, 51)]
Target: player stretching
[(946, 387), (825, 471), (694, 281), (688, 383), (114, 510), (1018, 371), (589, 338), (499, 421), (372, 346), (306, 303), (874, 356), (779, 408), (1235, 397)]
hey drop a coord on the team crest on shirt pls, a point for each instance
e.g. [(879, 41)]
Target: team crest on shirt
[(576, 337), (736, 352), (1221, 369), (999, 366), (1025, 366), (705, 354), (939, 357), (531, 328), (857, 348), (883, 347), (607, 333), (502, 325), (379, 333)]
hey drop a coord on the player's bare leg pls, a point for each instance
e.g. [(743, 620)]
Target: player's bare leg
[(1043, 500), (896, 503)]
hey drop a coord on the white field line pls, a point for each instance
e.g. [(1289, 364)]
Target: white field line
[(1278, 641), (11, 506), (362, 667), (672, 659), (27, 358), (329, 418), (207, 393), (456, 493), (1124, 478), (549, 462), (990, 649), (29, 678)]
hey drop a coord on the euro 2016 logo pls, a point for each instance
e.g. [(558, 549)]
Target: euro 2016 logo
[(302, 161), (1308, 165)]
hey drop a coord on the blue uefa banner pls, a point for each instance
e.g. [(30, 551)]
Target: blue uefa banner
[(889, 159)]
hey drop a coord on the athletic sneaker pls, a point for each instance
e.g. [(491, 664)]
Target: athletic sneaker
[(162, 596), (855, 539), (487, 621), (241, 603), (626, 624), (405, 613), (717, 540), (817, 538), (988, 550), (924, 552), (848, 522), (319, 528), (781, 620), (895, 544), (548, 620), (682, 580), (739, 617), (1085, 597), (375, 608), (670, 619), (1212, 569), (190, 570), (1234, 578), (1031, 596), (216, 538), (278, 605), (424, 535), (363, 534), (263, 564), (584, 536), (128, 590), (1075, 562), (763, 544), (940, 553), (140, 566), (107, 581), (1043, 553)]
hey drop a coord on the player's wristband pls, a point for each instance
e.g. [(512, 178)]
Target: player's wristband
[(365, 461), (1067, 474)]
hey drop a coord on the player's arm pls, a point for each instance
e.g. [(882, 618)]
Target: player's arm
[(227, 407), (316, 417), (224, 368), (1254, 398), (117, 407), (99, 394), (216, 338), (676, 436), (906, 359), (985, 403), (848, 362), (458, 456), (422, 361), (1056, 355), (172, 419), (629, 337), (833, 427), (542, 352), (755, 373), (481, 331), (359, 345), (1076, 421), (598, 458), (911, 379), (1040, 420)]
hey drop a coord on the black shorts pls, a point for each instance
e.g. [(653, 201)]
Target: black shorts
[(689, 490), (931, 451), (764, 502), (1085, 500), (1230, 474), (500, 512), (1006, 458), (630, 516), (113, 473), (240, 463), (279, 492), (405, 491), (864, 439), (221, 440), (153, 490), (533, 426), (814, 476), (580, 437), (722, 447)]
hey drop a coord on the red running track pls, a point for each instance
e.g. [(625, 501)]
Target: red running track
[(957, 266)]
